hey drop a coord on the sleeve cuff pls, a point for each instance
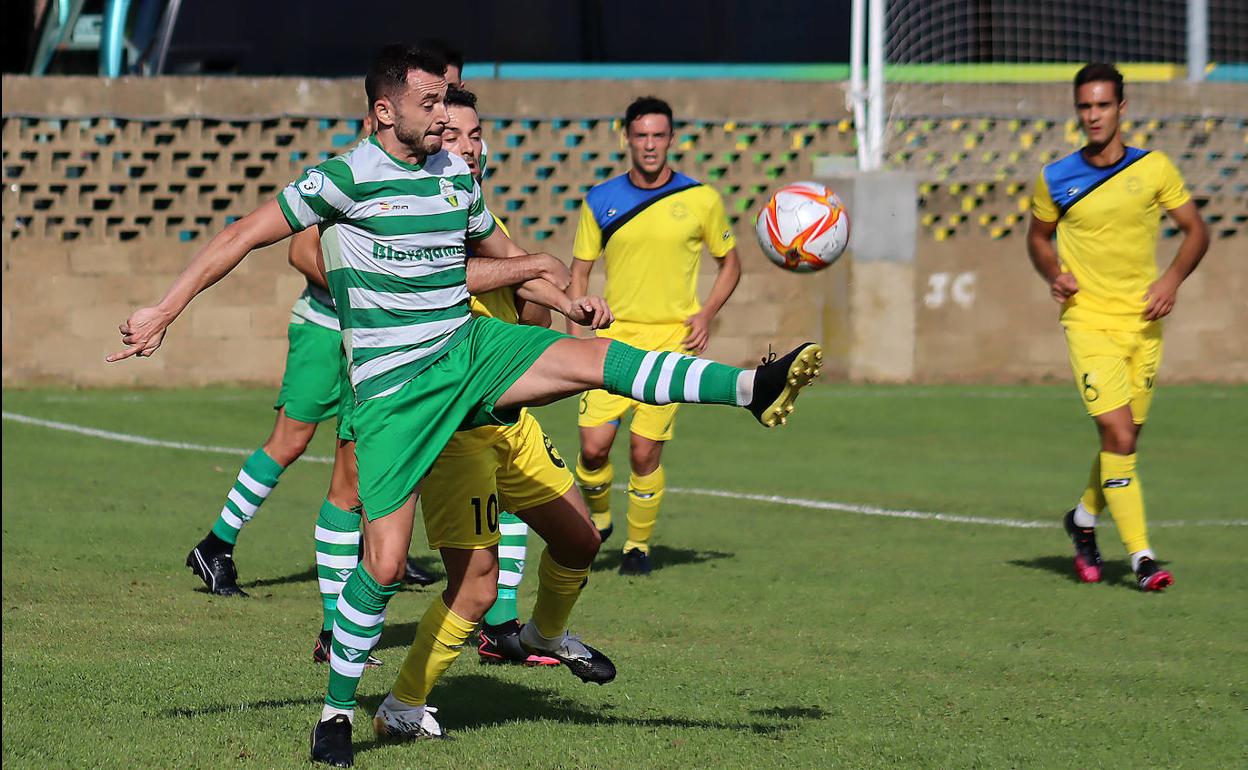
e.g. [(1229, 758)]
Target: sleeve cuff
[(295, 225)]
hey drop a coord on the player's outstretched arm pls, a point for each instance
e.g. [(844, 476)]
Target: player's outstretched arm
[(1162, 294), (144, 330), (490, 273), (1062, 286), (497, 245)]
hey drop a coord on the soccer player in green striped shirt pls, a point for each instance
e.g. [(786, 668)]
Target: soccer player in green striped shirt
[(422, 366)]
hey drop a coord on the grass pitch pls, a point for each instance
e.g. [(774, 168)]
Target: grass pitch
[(771, 634)]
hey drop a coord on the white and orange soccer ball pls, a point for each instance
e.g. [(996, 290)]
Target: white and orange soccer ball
[(804, 227)]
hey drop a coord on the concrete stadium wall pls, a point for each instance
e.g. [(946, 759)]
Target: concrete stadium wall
[(100, 214)]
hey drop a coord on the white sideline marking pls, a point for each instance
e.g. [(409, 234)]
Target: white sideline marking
[(796, 502), (128, 438)]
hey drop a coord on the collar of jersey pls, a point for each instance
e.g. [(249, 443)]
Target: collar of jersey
[(401, 163)]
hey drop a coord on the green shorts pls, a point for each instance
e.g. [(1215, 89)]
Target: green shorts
[(398, 436), (313, 368), (346, 404)]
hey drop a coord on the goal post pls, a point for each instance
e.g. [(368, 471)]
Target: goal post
[(898, 45)]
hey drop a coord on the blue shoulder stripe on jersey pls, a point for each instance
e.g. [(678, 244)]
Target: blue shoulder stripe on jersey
[(1072, 178), (616, 201)]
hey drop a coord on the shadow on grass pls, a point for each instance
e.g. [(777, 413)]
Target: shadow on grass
[(1113, 573), (661, 557), (480, 701), (305, 576), (235, 708), (430, 564)]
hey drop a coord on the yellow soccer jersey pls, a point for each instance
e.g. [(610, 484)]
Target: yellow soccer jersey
[(652, 241), (1107, 222)]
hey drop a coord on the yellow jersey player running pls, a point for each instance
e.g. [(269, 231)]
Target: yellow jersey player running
[(649, 225), (1102, 202)]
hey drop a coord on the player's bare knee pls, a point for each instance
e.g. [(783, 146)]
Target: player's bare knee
[(286, 446), (644, 455), (594, 456), (386, 569)]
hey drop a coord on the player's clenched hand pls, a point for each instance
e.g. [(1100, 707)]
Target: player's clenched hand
[(142, 333), (1160, 298), (1063, 287), (699, 333), (590, 311)]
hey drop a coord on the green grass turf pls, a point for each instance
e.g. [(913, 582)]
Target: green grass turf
[(769, 636)]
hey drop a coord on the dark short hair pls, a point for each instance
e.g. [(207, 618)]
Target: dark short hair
[(646, 105), (460, 97), (1100, 72), (448, 52), (388, 72)]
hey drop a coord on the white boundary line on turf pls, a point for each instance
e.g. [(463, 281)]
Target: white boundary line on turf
[(129, 438), (796, 502)]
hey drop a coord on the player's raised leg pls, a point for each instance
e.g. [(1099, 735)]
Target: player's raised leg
[(570, 366)]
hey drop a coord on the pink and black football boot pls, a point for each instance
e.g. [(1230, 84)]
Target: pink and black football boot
[(1087, 555)]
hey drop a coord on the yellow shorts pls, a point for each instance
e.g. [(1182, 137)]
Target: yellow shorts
[(464, 492), (1115, 369), (598, 407)]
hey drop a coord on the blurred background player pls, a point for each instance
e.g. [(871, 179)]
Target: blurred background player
[(1102, 201), (307, 398), (309, 395), (650, 225)]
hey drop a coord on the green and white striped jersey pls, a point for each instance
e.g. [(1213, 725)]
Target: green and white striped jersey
[(315, 306), (395, 258)]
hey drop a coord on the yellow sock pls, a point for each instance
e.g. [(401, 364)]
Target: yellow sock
[(558, 588), (644, 495), (439, 637), (596, 487), (1093, 498), (1121, 487)]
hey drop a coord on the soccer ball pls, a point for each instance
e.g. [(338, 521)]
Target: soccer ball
[(804, 227)]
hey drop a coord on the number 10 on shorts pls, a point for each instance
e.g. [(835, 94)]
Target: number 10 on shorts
[(491, 513)]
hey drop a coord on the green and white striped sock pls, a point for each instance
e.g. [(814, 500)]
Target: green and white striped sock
[(337, 554), (361, 612), (512, 546), (664, 378), (253, 485)]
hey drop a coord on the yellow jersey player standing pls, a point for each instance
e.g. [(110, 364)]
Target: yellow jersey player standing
[(649, 225), (1103, 202)]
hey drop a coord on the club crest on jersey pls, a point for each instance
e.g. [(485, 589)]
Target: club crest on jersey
[(448, 192)]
